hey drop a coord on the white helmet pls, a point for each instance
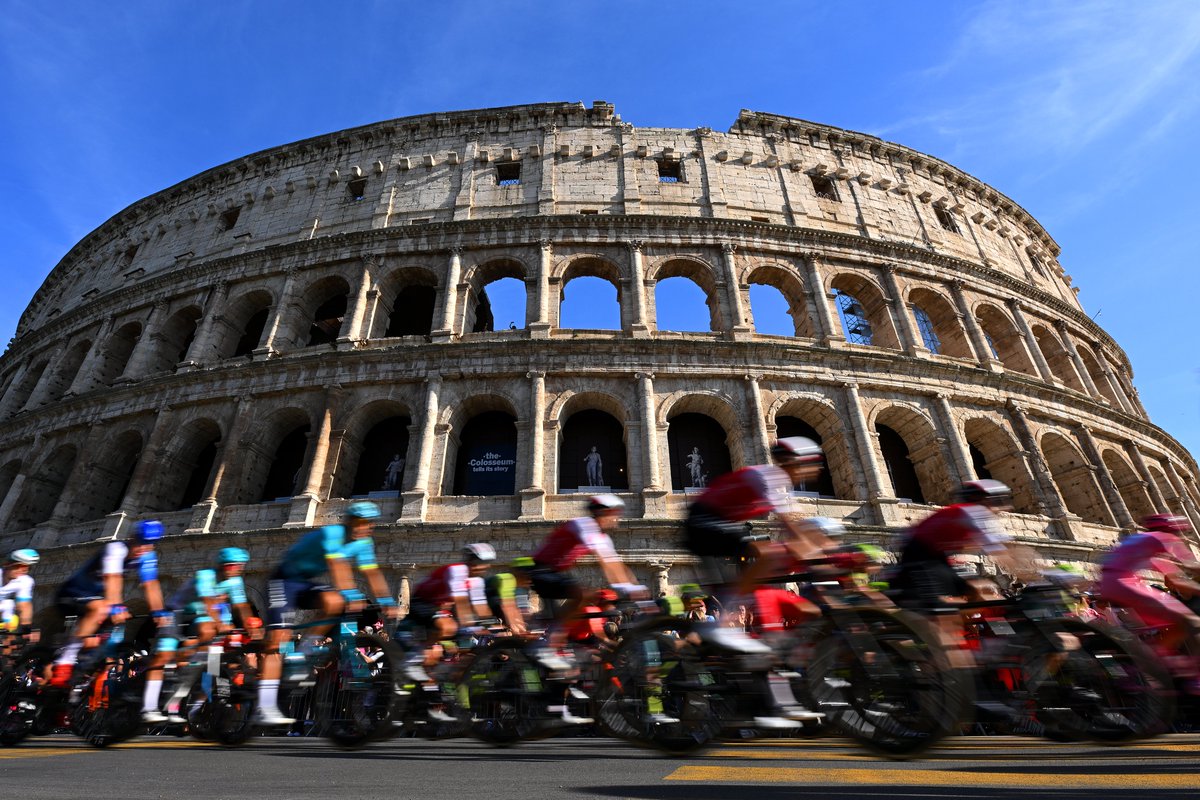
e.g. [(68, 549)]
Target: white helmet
[(480, 552)]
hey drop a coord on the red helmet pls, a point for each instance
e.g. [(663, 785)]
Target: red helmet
[(1167, 523)]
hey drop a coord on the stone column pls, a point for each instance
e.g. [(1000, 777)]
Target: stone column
[(404, 589), (415, 498), (540, 328), (304, 505), (1035, 351), (827, 331), (738, 325), (975, 335), (637, 289), (38, 394), (352, 326), (864, 443), (1077, 360), (151, 336), (1111, 378), (906, 324), (1108, 487), (200, 350), (958, 447), (1181, 492), (6, 409), (444, 330), (85, 378), (142, 479), (533, 497), (653, 477), (270, 335), (758, 421), (1056, 507), (662, 577), (223, 464), (1143, 470), (14, 491)]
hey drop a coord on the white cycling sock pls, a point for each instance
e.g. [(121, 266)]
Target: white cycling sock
[(70, 653), (268, 693), (150, 698)]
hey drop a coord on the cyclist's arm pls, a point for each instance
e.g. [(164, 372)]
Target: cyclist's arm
[(805, 540), (340, 573)]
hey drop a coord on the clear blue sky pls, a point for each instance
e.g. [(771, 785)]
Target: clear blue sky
[(1082, 112)]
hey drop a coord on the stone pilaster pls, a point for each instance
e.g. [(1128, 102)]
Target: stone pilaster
[(827, 331), (739, 324), (1077, 360), (415, 497), (975, 337), (304, 505), (906, 324), (267, 344), (1031, 343), (200, 350), (1108, 487), (637, 289), (351, 331), (533, 497), (1056, 507), (539, 328)]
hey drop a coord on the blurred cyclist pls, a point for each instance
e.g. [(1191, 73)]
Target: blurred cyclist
[(16, 591)]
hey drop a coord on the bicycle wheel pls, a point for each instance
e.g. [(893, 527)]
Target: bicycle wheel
[(504, 693), (1109, 688), (111, 711), (884, 681), (658, 690), (19, 701), (230, 717), (355, 699)]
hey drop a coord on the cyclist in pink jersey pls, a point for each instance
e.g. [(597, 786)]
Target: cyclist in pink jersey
[(1158, 549)]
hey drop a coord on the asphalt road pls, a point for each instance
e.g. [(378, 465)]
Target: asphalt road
[(298, 769)]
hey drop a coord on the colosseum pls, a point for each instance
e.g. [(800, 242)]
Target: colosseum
[(242, 353)]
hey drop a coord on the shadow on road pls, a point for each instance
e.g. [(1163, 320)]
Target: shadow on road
[(692, 791)]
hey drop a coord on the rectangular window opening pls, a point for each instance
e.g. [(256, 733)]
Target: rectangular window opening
[(670, 172), (357, 188), (589, 211), (508, 174), (945, 219), (824, 187), (229, 218), (761, 219), (419, 221), (129, 255)]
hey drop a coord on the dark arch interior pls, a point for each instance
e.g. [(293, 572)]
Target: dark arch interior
[(691, 436), (384, 443), (487, 456), (284, 475), (198, 478), (979, 462), (327, 321), (900, 468), (583, 432), (412, 313), (252, 333), (793, 426)]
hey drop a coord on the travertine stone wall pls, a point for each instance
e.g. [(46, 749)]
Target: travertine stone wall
[(168, 357)]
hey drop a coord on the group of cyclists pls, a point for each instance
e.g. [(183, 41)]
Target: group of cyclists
[(317, 573)]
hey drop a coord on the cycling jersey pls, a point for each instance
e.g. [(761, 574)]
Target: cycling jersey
[(18, 589), (502, 587), (448, 583), (87, 582), (568, 542), (748, 493), (1140, 550), (203, 586), (308, 557), (956, 529), (1121, 585)]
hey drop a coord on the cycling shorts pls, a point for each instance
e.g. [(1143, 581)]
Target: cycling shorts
[(707, 534), (74, 597), (289, 595), (924, 577), (1157, 609), (550, 584)]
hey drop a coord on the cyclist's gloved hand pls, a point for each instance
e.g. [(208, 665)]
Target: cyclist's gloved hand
[(634, 591)]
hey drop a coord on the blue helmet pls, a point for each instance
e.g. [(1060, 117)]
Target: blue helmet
[(148, 530), (362, 509), (232, 555)]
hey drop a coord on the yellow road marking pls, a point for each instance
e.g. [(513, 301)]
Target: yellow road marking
[(930, 777), (31, 753), (82, 748)]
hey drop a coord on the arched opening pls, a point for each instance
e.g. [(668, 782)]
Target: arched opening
[(590, 303), (287, 465), (1097, 375), (486, 463), (1060, 363), (699, 450), (117, 352), (591, 453), (199, 476), (777, 303), (325, 305), (110, 477), (995, 454), (43, 489), (1129, 486), (938, 323), (1076, 483), (1174, 506), (841, 465), (174, 339), (242, 325), (412, 312), (19, 394), (496, 297), (686, 298), (863, 312), (901, 472), (182, 474), (1006, 343), (68, 369), (794, 426), (252, 333), (383, 457)]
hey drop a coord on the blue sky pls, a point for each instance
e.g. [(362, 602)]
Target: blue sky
[(1081, 111)]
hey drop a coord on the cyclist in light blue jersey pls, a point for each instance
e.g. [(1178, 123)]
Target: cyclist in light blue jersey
[(296, 583)]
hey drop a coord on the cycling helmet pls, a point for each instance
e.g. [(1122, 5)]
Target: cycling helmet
[(480, 552), (232, 555), (605, 502), (1167, 523), (797, 450), (362, 509), (148, 530), (522, 562), (985, 492), (26, 556)]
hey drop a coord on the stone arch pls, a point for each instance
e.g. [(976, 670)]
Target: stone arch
[(8, 476), (407, 303), (274, 456), (1131, 488), (322, 309), (373, 436), (699, 273), (109, 476), (909, 447), (996, 453), (789, 285), (173, 340), (483, 429), (66, 370), (1074, 477), (592, 422), (1097, 374), (840, 477), (22, 388), (1008, 345), (1056, 356), (589, 267), (869, 305), (116, 353), (184, 471), (704, 420), (943, 318), (44, 488), (477, 308), (241, 324), (1166, 490)]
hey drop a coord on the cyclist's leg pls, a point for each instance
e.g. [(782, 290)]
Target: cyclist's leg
[(166, 644)]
